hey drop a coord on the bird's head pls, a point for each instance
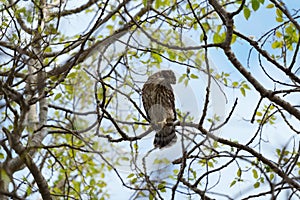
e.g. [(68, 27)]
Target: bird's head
[(168, 76), (164, 77)]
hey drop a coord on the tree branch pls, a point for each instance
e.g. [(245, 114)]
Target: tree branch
[(27, 159), (236, 63)]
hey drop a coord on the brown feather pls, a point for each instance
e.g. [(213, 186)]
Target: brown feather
[(159, 104)]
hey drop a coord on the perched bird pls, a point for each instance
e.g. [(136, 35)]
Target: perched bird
[(159, 104)]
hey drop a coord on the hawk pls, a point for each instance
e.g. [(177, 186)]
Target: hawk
[(159, 104)]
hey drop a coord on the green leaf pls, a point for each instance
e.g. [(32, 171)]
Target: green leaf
[(277, 44), (217, 38), (279, 19), (186, 81), (270, 5), (239, 172), (290, 30), (160, 3), (133, 181), (247, 13), (279, 15), (76, 185), (232, 183), (194, 173), (255, 175), (243, 91), (172, 55), (1, 154), (89, 10), (151, 196), (256, 185), (278, 151), (258, 113), (193, 76), (21, 10), (72, 75), (92, 181), (246, 86), (157, 4), (145, 2), (272, 177), (255, 5), (181, 78), (110, 28), (28, 190), (162, 187), (48, 49), (156, 57), (233, 39), (57, 96), (235, 84), (130, 175), (215, 144), (175, 171), (225, 81), (69, 89), (210, 164)]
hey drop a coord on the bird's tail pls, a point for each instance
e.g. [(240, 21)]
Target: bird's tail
[(165, 137)]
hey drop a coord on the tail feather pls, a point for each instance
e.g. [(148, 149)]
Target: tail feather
[(165, 137)]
